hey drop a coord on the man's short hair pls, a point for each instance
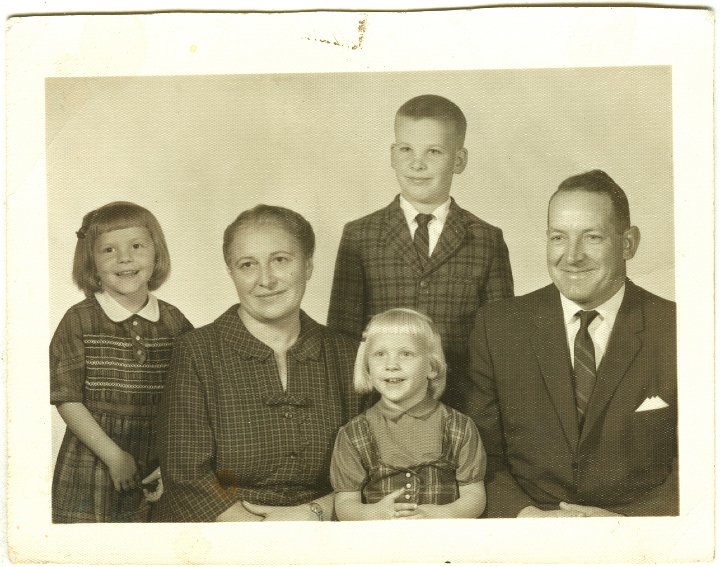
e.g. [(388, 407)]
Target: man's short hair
[(436, 107), (597, 181)]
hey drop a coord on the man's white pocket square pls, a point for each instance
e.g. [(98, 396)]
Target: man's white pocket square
[(652, 403)]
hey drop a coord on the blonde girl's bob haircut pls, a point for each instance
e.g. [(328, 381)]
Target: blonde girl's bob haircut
[(402, 321), (115, 216)]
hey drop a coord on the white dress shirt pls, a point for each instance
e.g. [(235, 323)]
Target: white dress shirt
[(599, 329), (435, 226)]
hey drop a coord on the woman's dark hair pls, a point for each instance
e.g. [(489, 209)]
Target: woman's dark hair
[(294, 223)]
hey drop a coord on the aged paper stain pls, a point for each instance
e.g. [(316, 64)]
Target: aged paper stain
[(362, 27)]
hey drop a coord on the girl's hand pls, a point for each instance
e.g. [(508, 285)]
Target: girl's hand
[(123, 471), (154, 494), (422, 512), (388, 509)]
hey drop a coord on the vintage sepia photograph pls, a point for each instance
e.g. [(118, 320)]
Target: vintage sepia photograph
[(342, 266)]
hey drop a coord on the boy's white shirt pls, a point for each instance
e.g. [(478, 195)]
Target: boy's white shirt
[(435, 226), (118, 313)]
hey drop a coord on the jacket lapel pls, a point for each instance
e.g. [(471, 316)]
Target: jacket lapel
[(451, 237), (624, 344), (397, 236), (549, 341)]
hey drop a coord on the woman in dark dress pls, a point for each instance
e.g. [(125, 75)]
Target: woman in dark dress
[(254, 400)]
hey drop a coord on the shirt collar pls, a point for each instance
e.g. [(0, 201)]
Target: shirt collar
[(118, 313), (411, 212), (308, 345), (420, 410), (607, 311)]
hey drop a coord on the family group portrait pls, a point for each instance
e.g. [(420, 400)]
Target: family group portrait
[(353, 296), (430, 380)]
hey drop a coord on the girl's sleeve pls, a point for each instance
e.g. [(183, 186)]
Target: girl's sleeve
[(67, 361), (347, 473), (472, 460)]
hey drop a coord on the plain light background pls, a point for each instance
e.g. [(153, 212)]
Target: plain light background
[(153, 45)]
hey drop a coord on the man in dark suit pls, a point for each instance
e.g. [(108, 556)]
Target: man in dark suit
[(573, 386), (422, 251)]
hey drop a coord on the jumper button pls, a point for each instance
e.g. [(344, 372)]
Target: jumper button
[(408, 485), (288, 415), (137, 337), (407, 474), (135, 323), (407, 497)]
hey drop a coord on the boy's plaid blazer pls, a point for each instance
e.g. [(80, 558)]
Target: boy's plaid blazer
[(377, 268)]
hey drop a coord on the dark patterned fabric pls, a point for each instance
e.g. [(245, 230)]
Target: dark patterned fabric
[(229, 432), (119, 378), (421, 238), (584, 368), (430, 482), (377, 268)]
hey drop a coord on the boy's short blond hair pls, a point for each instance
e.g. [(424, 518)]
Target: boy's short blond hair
[(403, 321), (435, 107)]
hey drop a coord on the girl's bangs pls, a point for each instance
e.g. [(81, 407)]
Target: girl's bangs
[(119, 222)]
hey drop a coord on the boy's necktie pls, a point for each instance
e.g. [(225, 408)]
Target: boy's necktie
[(421, 240), (585, 372)]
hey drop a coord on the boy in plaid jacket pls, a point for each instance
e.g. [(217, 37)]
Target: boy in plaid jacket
[(423, 251)]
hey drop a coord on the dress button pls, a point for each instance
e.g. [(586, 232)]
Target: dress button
[(135, 323), (137, 337), (407, 474), (423, 284), (139, 351), (407, 497), (408, 485)]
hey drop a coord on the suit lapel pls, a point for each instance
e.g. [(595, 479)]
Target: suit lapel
[(451, 237), (624, 344), (550, 344), (397, 236)]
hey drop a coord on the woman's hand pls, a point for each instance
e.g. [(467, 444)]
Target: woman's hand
[(238, 513), (281, 513), (154, 494), (123, 470)]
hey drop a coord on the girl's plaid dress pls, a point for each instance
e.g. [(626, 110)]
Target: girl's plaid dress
[(433, 481), (114, 362)]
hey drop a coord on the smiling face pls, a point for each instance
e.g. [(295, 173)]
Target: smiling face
[(124, 261), (425, 156), (399, 368), (270, 272), (586, 252)]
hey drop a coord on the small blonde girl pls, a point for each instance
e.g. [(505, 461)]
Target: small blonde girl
[(409, 455), (108, 360)]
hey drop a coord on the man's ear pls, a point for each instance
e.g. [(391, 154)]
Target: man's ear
[(631, 241)]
